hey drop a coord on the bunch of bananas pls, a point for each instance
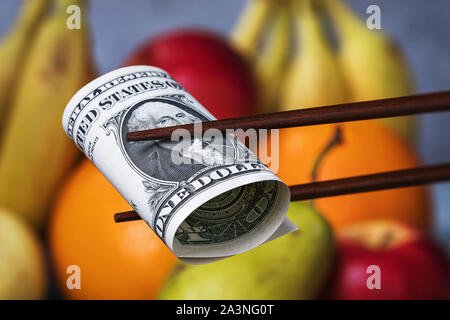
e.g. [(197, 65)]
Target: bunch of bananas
[(310, 71), (42, 64)]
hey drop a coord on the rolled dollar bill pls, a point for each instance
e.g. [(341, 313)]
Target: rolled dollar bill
[(207, 197)]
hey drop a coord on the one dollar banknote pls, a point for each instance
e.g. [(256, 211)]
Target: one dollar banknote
[(206, 197)]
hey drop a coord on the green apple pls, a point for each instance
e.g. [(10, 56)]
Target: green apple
[(22, 267), (294, 266)]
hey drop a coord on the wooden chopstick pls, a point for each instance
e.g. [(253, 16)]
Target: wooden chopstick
[(365, 183), (366, 110), (393, 107)]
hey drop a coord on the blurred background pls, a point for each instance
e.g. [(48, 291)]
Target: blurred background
[(419, 28)]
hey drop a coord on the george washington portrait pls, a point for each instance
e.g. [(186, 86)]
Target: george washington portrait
[(154, 157)]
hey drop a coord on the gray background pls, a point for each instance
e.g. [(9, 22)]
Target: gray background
[(421, 28)]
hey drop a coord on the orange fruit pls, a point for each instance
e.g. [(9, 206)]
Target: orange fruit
[(364, 148), (116, 260)]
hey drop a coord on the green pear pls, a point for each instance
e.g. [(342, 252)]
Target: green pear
[(294, 266), (22, 263)]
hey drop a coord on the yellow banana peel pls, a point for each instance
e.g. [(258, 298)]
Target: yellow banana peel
[(271, 63), (247, 32), (372, 65), (14, 49), (36, 153), (313, 77)]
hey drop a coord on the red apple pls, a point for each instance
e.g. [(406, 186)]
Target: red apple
[(410, 265), (206, 66)]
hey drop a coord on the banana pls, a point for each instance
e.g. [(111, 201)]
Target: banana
[(246, 34), (313, 77), (270, 64), (36, 153), (372, 65), (14, 48)]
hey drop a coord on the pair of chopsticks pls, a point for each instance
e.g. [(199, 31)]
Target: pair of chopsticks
[(366, 110)]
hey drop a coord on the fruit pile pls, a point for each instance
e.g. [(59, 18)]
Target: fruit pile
[(311, 71), (279, 56)]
